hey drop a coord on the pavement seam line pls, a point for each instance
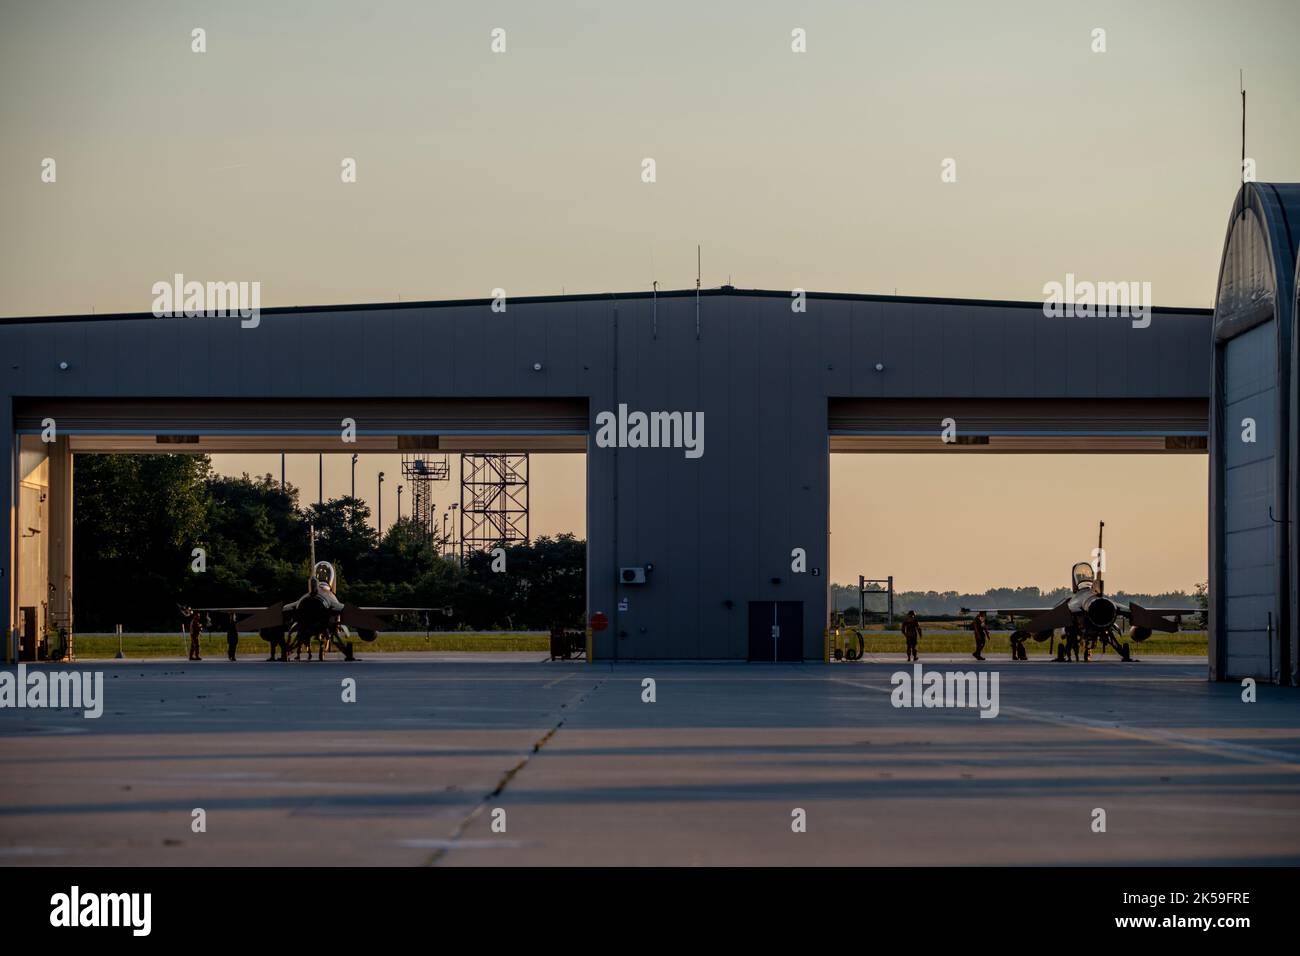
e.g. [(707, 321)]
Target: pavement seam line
[(1150, 735), (509, 775)]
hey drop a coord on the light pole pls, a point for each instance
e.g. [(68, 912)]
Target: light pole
[(353, 507), (320, 494), (399, 504), (454, 506), (379, 519), (444, 529)]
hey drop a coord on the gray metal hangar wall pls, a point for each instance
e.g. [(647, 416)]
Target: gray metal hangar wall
[(1253, 441), (778, 389)]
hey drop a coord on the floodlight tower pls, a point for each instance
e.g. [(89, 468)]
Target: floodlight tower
[(420, 471)]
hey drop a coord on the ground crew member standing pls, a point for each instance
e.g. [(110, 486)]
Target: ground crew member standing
[(912, 633), (196, 631), (278, 640), (232, 638), (981, 636)]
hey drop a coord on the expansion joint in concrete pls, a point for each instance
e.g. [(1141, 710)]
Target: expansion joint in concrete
[(568, 707)]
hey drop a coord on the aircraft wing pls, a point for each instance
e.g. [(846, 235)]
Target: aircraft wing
[(1040, 618), (288, 606), (1156, 618), (254, 618), (232, 610), (366, 618), (1007, 611), (386, 611), (374, 618)]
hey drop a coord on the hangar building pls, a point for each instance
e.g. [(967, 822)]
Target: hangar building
[(714, 535), (707, 540), (1253, 441)]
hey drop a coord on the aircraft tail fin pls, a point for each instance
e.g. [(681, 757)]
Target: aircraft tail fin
[(1101, 558), (311, 558)]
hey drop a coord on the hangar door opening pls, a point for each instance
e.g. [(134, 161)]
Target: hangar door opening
[(1002, 512), (136, 507), (1250, 532)]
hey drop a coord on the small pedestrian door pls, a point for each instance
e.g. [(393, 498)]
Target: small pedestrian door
[(776, 630), (27, 642)]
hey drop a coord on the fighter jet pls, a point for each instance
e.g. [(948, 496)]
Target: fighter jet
[(1089, 617), (317, 615)]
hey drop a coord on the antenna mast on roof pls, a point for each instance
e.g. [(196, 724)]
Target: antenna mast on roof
[(697, 290), (1241, 81), (654, 310)]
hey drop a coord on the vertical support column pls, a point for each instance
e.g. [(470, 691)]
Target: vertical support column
[(1216, 606), (601, 335), (60, 546), (8, 523)]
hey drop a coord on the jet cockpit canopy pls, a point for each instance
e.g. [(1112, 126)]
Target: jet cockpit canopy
[(323, 572)]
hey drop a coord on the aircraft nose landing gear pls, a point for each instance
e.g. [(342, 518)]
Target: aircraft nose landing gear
[(1123, 650)]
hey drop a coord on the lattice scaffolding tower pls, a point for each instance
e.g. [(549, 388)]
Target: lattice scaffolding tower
[(493, 502), (420, 471)]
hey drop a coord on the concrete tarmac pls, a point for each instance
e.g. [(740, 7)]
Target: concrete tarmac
[(583, 771)]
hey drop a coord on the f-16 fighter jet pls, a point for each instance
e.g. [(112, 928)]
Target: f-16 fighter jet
[(1088, 616), (317, 615)]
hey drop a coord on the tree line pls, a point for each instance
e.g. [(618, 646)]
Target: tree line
[(154, 531)]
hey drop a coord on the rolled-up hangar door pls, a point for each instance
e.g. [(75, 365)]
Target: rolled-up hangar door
[(1252, 555), (300, 424)]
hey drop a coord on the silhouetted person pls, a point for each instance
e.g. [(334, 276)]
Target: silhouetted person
[(981, 635), (232, 638), (1018, 652), (912, 634), (279, 641), (1069, 645), (196, 631)]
